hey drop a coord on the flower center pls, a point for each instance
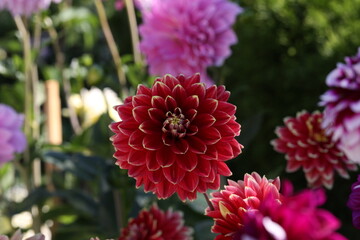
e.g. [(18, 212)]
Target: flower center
[(175, 124)]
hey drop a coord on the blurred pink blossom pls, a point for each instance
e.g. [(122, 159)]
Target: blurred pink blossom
[(25, 7)]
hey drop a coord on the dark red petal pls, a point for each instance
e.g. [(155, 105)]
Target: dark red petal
[(165, 189), (236, 147), (226, 131), (141, 89), (188, 162), (191, 102), (158, 102), (170, 81), (180, 146), (156, 115), (141, 100), (211, 153), (192, 130), (150, 127), (196, 145), (128, 127), (174, 174), (160, 89), (124, 111), (211, 92), (120, 141), (190, 182), (151, 162), (137, 158), (156, 176), (226, 107), (137, 171), (170, 103), (204, 120), (222, 94), (140, 113), (202, 186), (191, 80), (221, 117), (236, 128), (153, 142), (197, 89), (114, 127), (136, 139), (203, 168), (225, 151), (179, 93), (148, 185), (165, 157), (191, 114), (216, 183), (209, 105), (223, 169), (209, 135)]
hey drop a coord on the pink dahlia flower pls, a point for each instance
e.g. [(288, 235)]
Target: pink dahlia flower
[(238, 198), (342, 106), (12, 139), (156, 224), (306, 146), (25, 7), (187, 36), (354, 203), (175, 136), (296, 218)]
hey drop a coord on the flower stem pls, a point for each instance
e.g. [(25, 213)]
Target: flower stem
[(111, 43), (209, 202), (134, 30)]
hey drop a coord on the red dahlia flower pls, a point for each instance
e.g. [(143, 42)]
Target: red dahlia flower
[(175, 136), (306, 146), (232, 203), (156, 224)]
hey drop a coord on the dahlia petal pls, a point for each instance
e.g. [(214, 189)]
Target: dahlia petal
[(209, 135), (204, 120), (192, 102), (150, 127), (197, 89), (136, 171), (188, 162), (136, 158), (165, 157), (165, 189), (151, 161), (222, 94), (179, 93), (212, 154), (140, 113), (223, 169), (221, 117), (173, 174), (170, 103), (141, 100), (141, 89), (156, 115), (211, 92), (124, 111), (128, 127), (160, 89), (156, 176), (190, 182), (158, 102), (209, 105), (152, 142), (215, 184), (191, 114), (136, 140), (180, 147), (192, 80), (203, 168), (170, 81), (196, 145), (224, 151)]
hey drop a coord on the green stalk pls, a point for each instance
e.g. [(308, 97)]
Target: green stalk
[(134, 30)]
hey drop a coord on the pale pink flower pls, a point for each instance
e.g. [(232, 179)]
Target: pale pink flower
[(25, 7)]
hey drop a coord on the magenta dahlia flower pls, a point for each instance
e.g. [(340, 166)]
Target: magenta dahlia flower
[(25, 7), (12, 139), (156, 224), (238, 198), (187, 36), (175, 136), (354, 203), (306, 146), (296, 218), (342, 106)]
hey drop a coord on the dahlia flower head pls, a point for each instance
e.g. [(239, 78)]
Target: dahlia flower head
[(12, 139), (354, 203), (25, 7), (187, 36), (156, 224), (342, 106), (176, 136), (307, 146), (232, 204), (298, 217)]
